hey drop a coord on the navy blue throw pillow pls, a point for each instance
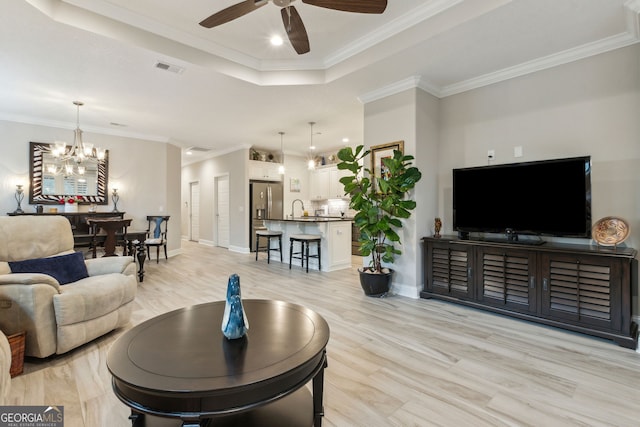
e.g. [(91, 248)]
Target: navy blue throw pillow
[(64, 268)]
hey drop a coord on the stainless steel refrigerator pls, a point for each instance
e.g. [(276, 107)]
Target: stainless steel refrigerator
[(265, 203)]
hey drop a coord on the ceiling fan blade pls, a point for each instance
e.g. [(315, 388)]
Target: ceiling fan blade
[(231, 13), (359, 6), (295, 29)]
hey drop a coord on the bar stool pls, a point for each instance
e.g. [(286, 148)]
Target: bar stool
[(304, 240), (268, 234)]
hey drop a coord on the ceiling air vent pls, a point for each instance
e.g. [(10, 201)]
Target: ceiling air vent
[(193, 150), (169, 67)]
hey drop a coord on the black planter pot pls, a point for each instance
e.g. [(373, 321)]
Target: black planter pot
[(375, 285)]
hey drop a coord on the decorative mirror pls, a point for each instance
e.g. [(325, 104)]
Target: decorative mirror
[(54, 178)]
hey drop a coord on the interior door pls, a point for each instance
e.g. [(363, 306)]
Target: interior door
[(194, 211), (222, 211)]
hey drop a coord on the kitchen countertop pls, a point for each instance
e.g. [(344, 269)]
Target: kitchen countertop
[(335, 234), (313, 219)]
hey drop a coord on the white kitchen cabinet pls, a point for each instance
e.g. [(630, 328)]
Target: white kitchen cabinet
[(319, 184), (265, 171), (325, 183), (336, 189)]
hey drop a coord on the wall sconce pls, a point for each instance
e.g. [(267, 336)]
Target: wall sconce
[(115, 197), (19, 198)]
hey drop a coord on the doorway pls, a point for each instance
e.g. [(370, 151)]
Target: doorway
[(222, 210), (194, 211)]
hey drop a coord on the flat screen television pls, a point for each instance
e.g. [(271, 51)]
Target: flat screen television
[(551, 197)]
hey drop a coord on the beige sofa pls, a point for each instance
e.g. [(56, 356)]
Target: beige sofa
[(58, 318)]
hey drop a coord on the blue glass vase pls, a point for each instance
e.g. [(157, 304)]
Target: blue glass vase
[(234, 320)]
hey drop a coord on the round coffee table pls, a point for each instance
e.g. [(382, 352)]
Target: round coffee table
[(179, 368)]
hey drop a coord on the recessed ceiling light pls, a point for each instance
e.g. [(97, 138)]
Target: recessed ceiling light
[(189, 153), (345, 140), (276, 40)]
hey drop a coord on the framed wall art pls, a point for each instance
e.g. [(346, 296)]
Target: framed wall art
[(294, 185), (379, 152)]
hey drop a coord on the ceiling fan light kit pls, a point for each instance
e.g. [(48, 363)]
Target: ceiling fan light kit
[(291, 19)]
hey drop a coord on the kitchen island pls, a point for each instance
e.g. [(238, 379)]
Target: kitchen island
[(336, 239)]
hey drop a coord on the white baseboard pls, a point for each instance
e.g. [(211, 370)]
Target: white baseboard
[(174, 252), (239, 249), (405, 290), (201, 241)]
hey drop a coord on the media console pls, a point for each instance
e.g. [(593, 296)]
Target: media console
[(581, 288)]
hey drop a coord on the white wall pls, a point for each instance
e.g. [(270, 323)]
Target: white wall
[(589, 107), (143, 171)]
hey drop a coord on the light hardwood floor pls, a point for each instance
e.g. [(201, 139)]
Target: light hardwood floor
[(393, 361)]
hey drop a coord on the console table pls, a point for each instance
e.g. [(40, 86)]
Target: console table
[(581, 288), (78, 220)]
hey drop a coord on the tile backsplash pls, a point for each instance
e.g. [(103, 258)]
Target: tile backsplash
[(331, 207)]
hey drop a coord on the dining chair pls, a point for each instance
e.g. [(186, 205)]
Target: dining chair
[(157, 235)]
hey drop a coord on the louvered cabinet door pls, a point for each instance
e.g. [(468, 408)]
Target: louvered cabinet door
[(448, 269), (507, 279), (583, 290)]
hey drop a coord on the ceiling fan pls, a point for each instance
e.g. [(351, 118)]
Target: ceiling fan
[(291, 19)]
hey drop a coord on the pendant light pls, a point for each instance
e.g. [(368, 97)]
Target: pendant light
[(281, 167), (311, 163)]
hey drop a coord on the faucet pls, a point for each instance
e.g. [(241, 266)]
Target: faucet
[(293, 203)]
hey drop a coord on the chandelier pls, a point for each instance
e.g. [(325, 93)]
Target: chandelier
[(73, 160)]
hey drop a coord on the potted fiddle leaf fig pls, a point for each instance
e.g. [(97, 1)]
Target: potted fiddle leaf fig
[(381, 203)]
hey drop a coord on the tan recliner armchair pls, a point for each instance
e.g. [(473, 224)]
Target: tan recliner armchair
[(58, 318)]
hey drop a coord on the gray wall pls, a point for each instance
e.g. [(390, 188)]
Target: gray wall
[(146, 173), (410, 116), (588, 107), (234, 165)]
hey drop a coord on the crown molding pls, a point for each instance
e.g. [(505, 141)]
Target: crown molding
[(633, 16), (396, 26), (587, 50), (186, 161), (550, 61), (35, 121), (390, 89), (103, 18)]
